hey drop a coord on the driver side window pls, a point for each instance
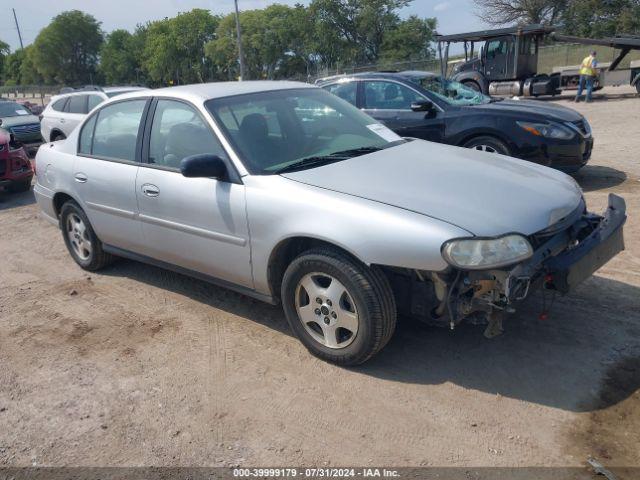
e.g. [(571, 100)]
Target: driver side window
[(496, 47), (178, 131)]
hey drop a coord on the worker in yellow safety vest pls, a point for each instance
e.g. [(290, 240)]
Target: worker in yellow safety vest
[(588, 73)]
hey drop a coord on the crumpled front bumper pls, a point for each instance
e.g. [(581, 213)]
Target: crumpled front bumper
[(569, 257)]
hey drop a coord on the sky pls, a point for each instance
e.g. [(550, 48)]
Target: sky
[(454, 16)]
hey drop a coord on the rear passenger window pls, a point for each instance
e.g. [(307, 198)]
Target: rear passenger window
[(87, 135), (116, 131), (77, 104), (58, 105), (94, 101), (389, 96)]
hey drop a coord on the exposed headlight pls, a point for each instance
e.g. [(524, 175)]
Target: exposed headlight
[(482, 254), (547, 130)]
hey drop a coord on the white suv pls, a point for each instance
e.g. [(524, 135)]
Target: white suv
[(64, 112)]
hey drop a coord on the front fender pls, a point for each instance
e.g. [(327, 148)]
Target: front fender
[(375, 233)]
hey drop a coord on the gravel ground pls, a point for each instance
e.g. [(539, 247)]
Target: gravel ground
[(139, 366)]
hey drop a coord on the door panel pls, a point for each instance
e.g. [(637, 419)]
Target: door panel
[(496, 58), (196, 223), (390, 103)]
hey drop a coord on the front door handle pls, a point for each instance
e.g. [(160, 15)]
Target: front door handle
[(80, 178), (150, 190)]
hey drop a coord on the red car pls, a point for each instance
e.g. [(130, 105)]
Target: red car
[(16, 170)]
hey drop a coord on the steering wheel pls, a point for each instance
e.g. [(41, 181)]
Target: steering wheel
[(328, 130)]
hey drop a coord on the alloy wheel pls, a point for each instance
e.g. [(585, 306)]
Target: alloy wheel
[(485, 148), (327, 310), (79, 237)]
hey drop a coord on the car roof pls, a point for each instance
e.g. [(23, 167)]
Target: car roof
[(406, 75), (123, 89), (200, 92)]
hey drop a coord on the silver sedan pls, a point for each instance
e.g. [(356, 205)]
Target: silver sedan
[(283, 192)]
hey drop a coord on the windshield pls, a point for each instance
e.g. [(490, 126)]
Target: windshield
[(276, 129), (11, 109), (454, 93)]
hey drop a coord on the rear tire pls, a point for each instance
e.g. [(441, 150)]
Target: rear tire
[(58, 136), (21, 186), (81, 241), (342, 311), (488, 144)]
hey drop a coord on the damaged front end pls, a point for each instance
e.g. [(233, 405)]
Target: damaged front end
[(557, 259)]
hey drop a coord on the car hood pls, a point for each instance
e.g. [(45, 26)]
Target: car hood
[(8, 122), (483, 193), (528, 108)]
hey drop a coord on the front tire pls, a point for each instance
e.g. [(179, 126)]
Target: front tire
[(472, 84), (58, 136), (341, 310), (80, 239), (488, 144)]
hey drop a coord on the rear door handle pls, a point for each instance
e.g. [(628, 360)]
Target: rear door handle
[(80, 177), (150, 190)]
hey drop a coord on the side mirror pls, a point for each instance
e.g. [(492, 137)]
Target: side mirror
[(204, 165), (422, 106)]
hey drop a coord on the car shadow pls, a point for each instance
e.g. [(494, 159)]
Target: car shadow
[(12, 200), (591, 336), (561, 362), (597, 177)]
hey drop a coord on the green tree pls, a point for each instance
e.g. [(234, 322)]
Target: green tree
[(4, 53), (66, 51), (602, 18), (275, 43), (118, 61), (29, 72), (174, 48), (360, 24), (20, 68), (410, 40), (11, 72)]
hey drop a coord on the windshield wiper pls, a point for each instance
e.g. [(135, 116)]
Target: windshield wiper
[(309, 162), (317, 161), (354, 152)]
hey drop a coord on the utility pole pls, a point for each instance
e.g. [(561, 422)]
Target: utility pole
[(17, 27), (240, 56)]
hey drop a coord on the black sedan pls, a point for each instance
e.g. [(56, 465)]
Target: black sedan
[(422, 105)]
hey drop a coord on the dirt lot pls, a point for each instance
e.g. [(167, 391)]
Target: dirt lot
[(138, 366)]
